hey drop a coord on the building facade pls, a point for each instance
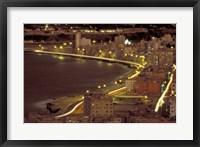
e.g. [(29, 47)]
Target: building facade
[(77, 39), (98, 106), (172, 107), (130, 84)]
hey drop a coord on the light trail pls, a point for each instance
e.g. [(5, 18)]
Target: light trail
[(92, 57), (142, 97), (37, 51), (137, 73), (117, 90), (161, 99), (123, 88), (71, 111)]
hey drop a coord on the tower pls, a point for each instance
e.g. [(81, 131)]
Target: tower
[(77, 39)]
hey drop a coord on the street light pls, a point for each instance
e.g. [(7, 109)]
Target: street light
[(104, 85), (99, 86)]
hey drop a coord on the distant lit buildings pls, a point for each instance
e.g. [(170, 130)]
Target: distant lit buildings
[(119, 39), (144, 86), (85, 42), (130, 84), (161, 59), (167, 39), (117, 120), (77, 119), (157, 75), (172, 107), (173, 88)]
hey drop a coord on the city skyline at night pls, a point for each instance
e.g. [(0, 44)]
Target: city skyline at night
[(100, 73)]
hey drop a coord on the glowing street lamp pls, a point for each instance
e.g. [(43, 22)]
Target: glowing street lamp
[(104, 85), (99, 86), (46, 27)]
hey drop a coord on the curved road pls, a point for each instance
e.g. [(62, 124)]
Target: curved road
[(79, 107)]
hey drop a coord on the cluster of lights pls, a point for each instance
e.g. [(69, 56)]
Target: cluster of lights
[(89, 31), (108, 31), (127, 42), (41, 47), (104, 86)]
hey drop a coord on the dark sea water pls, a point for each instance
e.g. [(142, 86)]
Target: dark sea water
[(52, 76)]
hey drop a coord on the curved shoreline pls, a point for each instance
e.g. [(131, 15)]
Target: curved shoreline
[(90, 57), (131, 64)]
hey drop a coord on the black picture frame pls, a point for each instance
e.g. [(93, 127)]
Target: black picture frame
[(4, 4)]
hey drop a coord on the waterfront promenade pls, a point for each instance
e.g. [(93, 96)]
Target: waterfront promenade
[(91, 57)]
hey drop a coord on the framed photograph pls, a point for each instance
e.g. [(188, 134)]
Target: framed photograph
[(108, 73)]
